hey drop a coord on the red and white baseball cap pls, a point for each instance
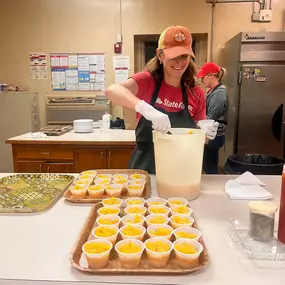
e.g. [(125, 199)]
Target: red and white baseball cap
[(208, 68), (176, 41)]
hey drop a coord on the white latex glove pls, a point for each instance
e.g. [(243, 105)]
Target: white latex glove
[(210, 129), (160, 121)]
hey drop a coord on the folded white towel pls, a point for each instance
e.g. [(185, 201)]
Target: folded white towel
[(247, 187)]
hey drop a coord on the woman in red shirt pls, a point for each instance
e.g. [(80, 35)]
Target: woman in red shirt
[(164, 95)]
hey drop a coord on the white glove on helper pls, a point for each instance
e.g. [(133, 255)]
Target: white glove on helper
[(209, 129), (160, 121)]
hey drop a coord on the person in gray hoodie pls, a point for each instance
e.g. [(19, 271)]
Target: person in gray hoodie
[(217, 110)]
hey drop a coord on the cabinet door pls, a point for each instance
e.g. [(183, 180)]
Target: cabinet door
[(89, 158), (50, 167), (24, 166), (118, 158)]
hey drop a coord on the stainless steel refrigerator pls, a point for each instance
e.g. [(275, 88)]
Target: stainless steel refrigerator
[(19, 114), (255, 64)]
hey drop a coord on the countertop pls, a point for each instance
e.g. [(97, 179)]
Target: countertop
[(98, 137), (35, 248)]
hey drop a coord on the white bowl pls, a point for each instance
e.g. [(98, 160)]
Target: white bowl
[(83, 126)]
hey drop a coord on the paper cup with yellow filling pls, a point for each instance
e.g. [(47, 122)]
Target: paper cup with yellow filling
[(86, 176), (133, 219), (109, 233), (135, 201), (137, 181), (89, 172), (108, 210), (187, 252), (130, 252), (97, 253), (121, 181), (163, 210), (113, 201), (132, 232), (120, 176), (78, 191), (108, 220), (135, 209), (135, 190), (162, 231), (156, 201), (96, 191), (137, 176), (156, 219), (104, 176), (102, 181), (158, 251), (187, 232), (177, 201), (83, 182), (114, 190), (177, 221), (181, 210)]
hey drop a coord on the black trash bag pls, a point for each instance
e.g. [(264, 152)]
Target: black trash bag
[(117, 124), (257, 164)]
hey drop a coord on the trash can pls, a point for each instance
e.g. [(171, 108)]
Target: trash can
[(257, 164)]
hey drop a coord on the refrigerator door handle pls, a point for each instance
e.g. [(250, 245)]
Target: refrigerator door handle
[(276, 123)]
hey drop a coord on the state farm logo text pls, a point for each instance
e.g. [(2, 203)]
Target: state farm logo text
[(172, 104)]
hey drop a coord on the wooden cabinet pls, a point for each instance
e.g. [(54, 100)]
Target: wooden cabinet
[(45, 152), (55, 167), (52, 158), (25, 166), (88, 158), (118, 158)]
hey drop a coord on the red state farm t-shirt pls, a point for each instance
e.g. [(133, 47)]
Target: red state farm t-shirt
[(170, 98)]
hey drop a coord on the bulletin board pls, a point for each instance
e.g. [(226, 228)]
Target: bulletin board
[(78, 71)]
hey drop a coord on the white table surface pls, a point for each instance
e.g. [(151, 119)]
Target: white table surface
[(34, 249), (111, 135)]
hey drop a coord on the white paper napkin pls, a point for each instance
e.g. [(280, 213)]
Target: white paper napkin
[(247, 187), (248, 178), (36, 135)]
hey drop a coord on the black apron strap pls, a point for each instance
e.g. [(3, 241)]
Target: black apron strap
[(155, 93)]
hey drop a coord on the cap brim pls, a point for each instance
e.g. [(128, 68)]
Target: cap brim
[(200, 74), (177, 51)]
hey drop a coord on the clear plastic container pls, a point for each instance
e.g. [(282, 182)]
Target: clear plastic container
[(265, 252), (178, 162), (261, 220)]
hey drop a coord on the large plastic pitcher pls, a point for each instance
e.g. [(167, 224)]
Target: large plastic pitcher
[(178, 162)]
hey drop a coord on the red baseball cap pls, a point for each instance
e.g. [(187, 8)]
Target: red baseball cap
[(207, 68), (175, 41)]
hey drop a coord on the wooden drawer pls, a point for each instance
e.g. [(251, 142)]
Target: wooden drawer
[(47, 153)]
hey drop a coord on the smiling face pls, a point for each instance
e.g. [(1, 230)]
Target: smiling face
[(174, 67)]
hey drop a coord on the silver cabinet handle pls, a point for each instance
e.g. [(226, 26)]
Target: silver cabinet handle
[(45, 153), (102, 154), (48, 169), (41, 168), (110, 154)]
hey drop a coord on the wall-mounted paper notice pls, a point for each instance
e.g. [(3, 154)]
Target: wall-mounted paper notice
[(121, 61), (77, 71), (38, 65), (121, 74)]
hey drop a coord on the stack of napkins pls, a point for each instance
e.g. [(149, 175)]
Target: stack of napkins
[(247, 187), (36, 135)]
